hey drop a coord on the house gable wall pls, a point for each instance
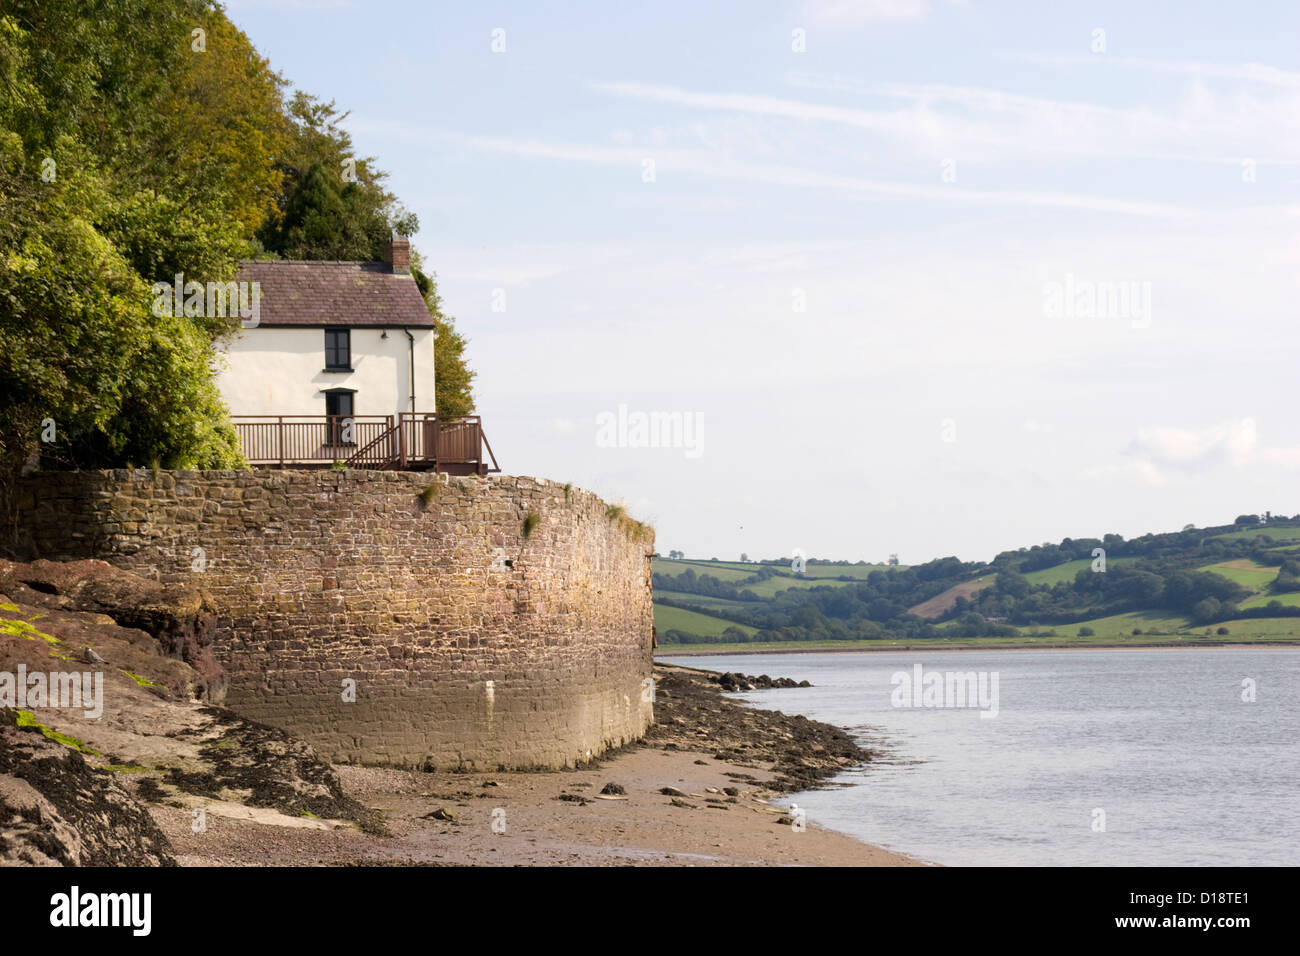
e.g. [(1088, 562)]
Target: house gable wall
[(280, 371)]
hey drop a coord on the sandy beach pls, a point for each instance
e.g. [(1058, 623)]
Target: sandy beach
[(731, 767), (540, 828)]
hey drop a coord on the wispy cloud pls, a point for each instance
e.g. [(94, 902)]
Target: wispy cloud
[(857, 13), (882, 121), (1250, 72), (991, 125), (706, 164)]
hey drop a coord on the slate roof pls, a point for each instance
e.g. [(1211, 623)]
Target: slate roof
[(322, 293)]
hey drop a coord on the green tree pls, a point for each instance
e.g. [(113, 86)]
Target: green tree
[(453, 379), (104, 187), (333, 204), (1012, 584), (127, 156), (1205, 610), (82, 350)]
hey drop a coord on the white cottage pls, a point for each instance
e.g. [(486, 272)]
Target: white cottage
[(338, 369)]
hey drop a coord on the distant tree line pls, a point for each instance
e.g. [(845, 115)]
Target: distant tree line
[(1161, 575)]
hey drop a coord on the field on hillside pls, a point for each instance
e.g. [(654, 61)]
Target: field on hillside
[(1286, 599), (693, 622), (856, 571), (770, 587), (1064, 573), (721, 571), (1264, 627), (1285, 533), (703, 600), (1247, 573), (1123, 625), (699, 614), (941, 603), (735, 571), (1163, 623), (1264, 631)]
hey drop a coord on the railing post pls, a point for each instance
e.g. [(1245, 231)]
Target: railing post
[(279, 436), (401, 437)]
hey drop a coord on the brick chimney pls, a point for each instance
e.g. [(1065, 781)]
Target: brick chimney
[(400, 255)]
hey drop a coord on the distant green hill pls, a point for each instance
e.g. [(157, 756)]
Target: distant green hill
[(1243, 577)]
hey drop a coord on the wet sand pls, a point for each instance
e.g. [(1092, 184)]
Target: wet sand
[(539, 828), (731, 766)]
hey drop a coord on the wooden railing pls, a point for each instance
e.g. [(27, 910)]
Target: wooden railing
[(307, 439), (416, 441)]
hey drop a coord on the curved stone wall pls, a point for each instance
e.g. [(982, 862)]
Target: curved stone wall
[(389, 617)]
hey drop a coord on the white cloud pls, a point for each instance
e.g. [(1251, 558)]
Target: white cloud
[(1251, 72), (983, 125), (1196, 449), (562, 426), (702, 163), (1287, 457), (879, 121), (1150, 474), (857, 13), (1144, 471)]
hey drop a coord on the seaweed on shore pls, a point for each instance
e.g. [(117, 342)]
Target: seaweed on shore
[(692, 714), (277, 770)]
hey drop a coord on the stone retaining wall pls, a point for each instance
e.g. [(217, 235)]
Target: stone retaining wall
[(485, 622)]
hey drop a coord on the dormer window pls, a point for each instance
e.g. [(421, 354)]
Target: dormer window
[(338, 350)]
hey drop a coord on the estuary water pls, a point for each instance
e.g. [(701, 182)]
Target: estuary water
[(1094, 757)]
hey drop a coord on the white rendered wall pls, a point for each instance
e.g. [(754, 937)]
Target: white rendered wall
[(281, 371)]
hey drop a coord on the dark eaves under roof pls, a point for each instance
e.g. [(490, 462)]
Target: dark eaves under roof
[(321, 293)]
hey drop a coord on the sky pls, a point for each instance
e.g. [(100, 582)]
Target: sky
[(913, 277)]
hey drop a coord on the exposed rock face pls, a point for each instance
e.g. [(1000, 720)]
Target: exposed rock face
[(76, 782), (56, 810), (179, 620), (265, 767)]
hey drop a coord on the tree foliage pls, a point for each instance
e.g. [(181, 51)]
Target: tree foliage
[(1161, 576), (453, 379), (132, 149)]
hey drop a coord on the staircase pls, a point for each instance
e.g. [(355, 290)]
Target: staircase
[(379, 454)]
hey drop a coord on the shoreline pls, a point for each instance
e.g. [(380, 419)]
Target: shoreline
[(709, 785), (733, 652)]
